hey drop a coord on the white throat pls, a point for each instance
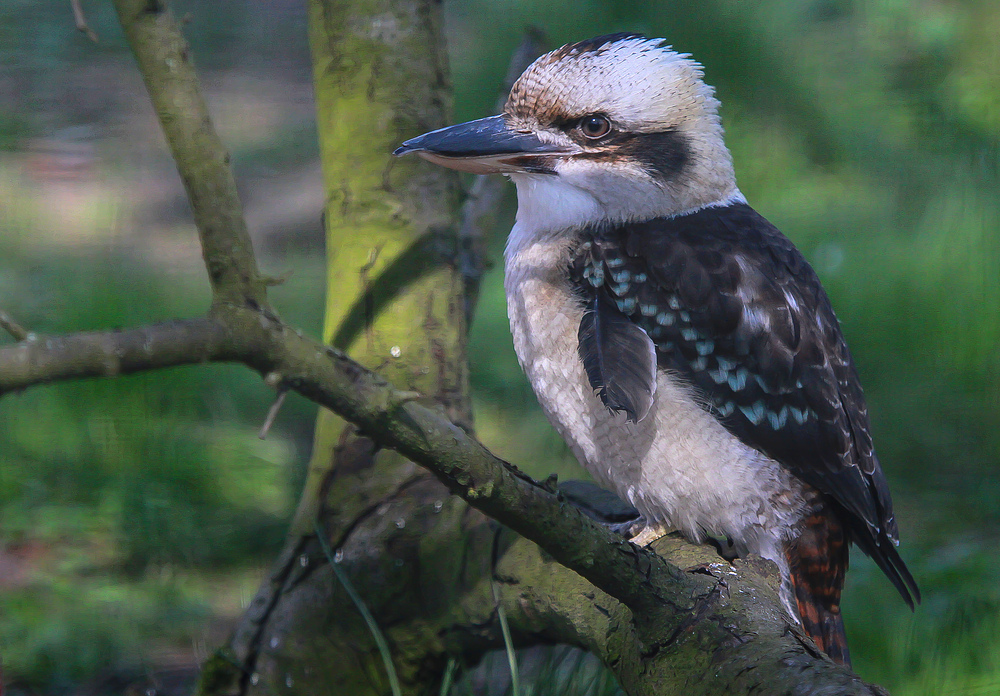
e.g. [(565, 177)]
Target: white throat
[(556, 204)]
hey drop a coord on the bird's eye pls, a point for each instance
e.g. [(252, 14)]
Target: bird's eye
[(595, 126)]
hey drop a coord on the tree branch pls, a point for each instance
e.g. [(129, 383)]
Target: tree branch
[(667, 604), (163, 57), (333, 380), (8, 324), (112, 353), (80, 19)]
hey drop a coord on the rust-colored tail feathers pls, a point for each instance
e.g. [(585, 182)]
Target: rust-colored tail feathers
[(818, 563)]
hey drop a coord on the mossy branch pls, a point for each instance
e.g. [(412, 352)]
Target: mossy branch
[(43, 359), (667, 604)]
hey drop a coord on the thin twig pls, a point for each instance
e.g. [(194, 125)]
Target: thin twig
[(273, 412), (81, 21), (485, 193), (8, 324), (113, 353)]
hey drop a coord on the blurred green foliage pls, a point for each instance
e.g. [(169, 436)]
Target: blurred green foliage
[(132, 509), (866, 130), (136, 513)]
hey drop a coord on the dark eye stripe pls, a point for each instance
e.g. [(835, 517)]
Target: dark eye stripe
[(664, 154)]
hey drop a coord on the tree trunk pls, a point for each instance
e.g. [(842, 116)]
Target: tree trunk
[(396, 303)]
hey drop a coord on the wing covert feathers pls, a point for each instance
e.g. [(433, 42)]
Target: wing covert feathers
[(619, 358)]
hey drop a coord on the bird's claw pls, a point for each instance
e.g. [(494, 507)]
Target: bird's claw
[(639, 531)]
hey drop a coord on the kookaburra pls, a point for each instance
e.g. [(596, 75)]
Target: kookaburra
[(680, 343)]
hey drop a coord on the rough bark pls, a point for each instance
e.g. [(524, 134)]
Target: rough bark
[(395, 303), (680, 620)]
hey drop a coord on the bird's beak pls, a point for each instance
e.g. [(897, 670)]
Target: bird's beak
[(485, 146)]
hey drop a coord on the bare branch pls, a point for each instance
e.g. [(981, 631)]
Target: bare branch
[(330, 378), (203, 163), (272, 412), (8, 324), (81, 21), (665, 601), (112, 353)]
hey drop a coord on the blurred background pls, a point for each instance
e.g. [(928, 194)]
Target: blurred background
[(138, 516)]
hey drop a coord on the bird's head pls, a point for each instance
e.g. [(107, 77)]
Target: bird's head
[(612, 129)]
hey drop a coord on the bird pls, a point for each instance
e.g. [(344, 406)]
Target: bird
[(680, 343)]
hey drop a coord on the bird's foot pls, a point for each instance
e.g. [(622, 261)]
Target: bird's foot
[(650, 533), (640, 532), (629, 528)]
